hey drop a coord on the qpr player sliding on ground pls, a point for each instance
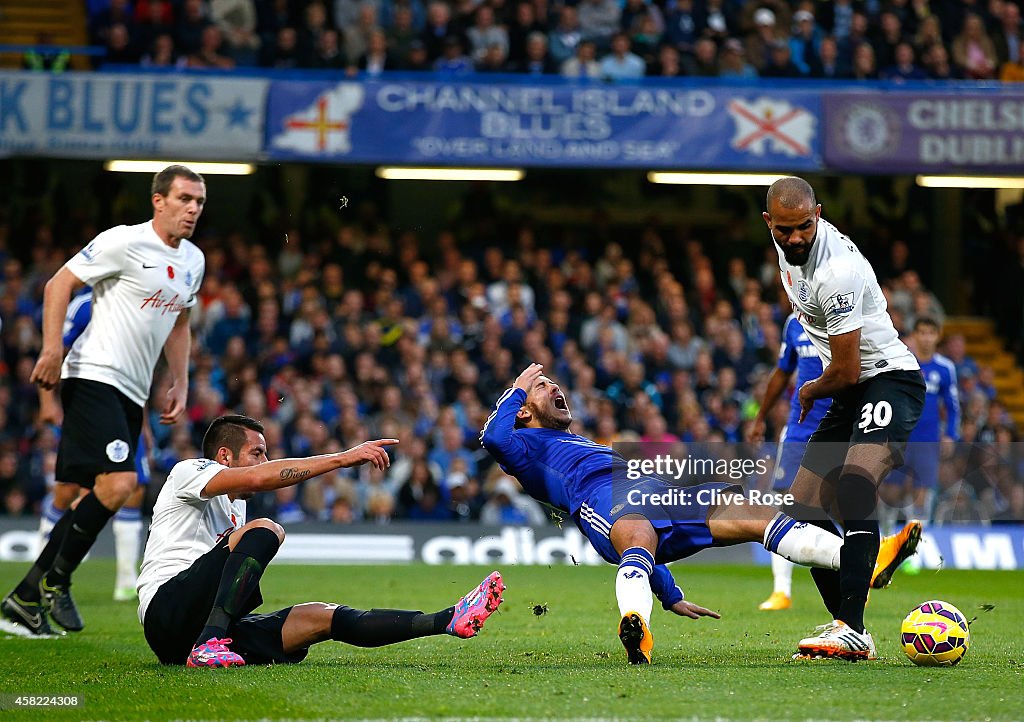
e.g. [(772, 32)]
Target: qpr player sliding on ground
[(528, 435)]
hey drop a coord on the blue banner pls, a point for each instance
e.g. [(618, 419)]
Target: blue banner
[(100, 115), (516, 124)]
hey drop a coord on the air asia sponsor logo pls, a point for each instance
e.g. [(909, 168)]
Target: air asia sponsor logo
[(164, 305)]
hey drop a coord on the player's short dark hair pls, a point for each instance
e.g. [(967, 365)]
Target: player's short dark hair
[(927, 321), (229, 431), (790, 192), (163, 180)]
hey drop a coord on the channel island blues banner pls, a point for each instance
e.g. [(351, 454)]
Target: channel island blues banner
[(98, 115), (971, 131), (508, 124)]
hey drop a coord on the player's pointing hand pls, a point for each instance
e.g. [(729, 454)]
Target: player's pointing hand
[(369, 451), (529, 377)]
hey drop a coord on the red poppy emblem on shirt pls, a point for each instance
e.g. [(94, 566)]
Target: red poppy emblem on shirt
[(789, 279), (170, 273)]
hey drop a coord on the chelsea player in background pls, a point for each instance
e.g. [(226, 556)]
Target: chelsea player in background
[(798, 354), (913, 487)]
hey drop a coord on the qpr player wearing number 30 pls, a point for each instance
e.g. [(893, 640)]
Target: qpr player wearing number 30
[(877, 395)]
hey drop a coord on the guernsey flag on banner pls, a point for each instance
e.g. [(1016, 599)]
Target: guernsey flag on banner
[(324, 126)]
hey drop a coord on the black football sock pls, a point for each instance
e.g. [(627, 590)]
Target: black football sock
[(28, 589), (826, 580), (87, 521), (377, 627), (856, 497), (240, 578), (857, 562)]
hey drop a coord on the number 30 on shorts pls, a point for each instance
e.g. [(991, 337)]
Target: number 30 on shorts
[(879, 415)]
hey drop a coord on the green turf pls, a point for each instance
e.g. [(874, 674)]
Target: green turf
[(566, 663)]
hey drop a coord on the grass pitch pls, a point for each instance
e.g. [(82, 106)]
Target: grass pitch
[(565, 663)]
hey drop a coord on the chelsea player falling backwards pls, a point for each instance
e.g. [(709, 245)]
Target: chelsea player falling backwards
[(528, 434)]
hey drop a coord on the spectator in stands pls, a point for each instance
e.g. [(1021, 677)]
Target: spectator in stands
[(805, 45), (284, 53), (376, 59), (356, 37), (829, 67), (437, 29), (704, 63), (667, 64), (327, 53), (681, 29), (1008, 37), (484, 33), (120, 48), (973, 53), (858, 35), (152, 20), (522, 27), (584, 64), (209, 54), (162, 54), (402, 34), (759, 43), (494, 60), (348, 12), (1013, 72), (236, 20), (565, 36), (190, 25), (389, 10), (119, 12), (780, 63), (508, 505), (884, 41), (904, 68), (864, 67), (937, 64), (537, 60), (929, 33), (599, 21), (620, 63)]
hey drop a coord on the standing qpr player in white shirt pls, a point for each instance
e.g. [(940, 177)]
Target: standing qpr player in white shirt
[(877, 395), (203, 563), (145, 278)]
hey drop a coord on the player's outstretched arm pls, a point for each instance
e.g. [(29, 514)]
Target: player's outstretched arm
[(288, 472)]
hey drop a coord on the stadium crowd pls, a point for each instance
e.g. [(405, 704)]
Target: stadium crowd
[(368, 331), (895, 40)]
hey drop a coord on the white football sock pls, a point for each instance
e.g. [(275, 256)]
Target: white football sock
[(782, 573), (802, 544), (633, 583), (127, 536)]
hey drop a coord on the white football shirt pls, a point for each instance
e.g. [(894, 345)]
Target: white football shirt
[(140, 285), (185, 525), (836, 292)]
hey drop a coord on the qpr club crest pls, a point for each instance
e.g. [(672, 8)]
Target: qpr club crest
[(803, 291), (188, 278)]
